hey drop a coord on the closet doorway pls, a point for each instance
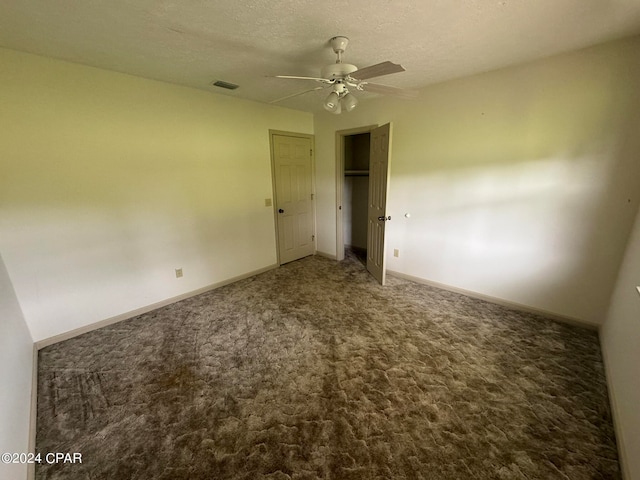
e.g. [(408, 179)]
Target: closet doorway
[(351, 215), (361, 190), (355, 192)]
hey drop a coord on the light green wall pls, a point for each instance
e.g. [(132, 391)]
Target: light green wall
[(522, 184), (110, 182)]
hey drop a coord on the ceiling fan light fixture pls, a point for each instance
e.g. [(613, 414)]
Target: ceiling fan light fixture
[(349, 102), (332, 102)]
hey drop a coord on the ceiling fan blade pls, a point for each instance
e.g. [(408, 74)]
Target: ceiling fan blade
[(384, 68), (296, 94), (387, 90), (323, 80)]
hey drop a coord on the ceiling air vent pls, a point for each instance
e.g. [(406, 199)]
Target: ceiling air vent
[(227, 85)]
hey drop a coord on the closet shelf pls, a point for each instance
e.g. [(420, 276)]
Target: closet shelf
[(363, 173)]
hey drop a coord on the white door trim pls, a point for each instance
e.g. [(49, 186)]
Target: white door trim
[(311, 138), (340, 134)]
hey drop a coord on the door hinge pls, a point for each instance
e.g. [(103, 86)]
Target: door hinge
[(312, 196), (313, 237), (311, 152)]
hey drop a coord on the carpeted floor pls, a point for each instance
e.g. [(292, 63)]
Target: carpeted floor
[(313, 371)]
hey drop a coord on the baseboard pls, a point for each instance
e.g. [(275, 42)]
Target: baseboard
[(139, 311), (505, 303), (326, 255), (33, 414), (622, 452)]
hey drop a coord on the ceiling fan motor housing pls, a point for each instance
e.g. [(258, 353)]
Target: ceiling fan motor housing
[(337, 70)]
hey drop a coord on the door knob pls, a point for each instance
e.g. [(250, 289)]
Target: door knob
[(280, 210), (384, 219)]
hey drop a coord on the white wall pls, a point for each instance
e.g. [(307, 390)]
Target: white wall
[(522, 184), (16, 369), (110, 182), (620, 338)]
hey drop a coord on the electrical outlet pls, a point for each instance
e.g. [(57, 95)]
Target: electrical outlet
[(178, 272), (267, 202), (396, 252)]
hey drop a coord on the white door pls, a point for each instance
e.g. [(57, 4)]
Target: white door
[(377, 218), (294, 199)]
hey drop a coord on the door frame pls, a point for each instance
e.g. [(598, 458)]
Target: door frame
[(312, 139), (340, 134)]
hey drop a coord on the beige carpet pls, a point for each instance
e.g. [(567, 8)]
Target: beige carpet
[(313, 371)]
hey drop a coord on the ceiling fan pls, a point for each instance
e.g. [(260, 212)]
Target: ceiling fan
[(341, 77)]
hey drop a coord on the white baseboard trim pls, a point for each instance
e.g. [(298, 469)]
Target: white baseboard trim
[(33, 414), (326, 255), (139, 311), (505, 303), (622, 452)]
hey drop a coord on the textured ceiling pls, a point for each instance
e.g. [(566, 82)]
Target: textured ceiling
[(195, 42)]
